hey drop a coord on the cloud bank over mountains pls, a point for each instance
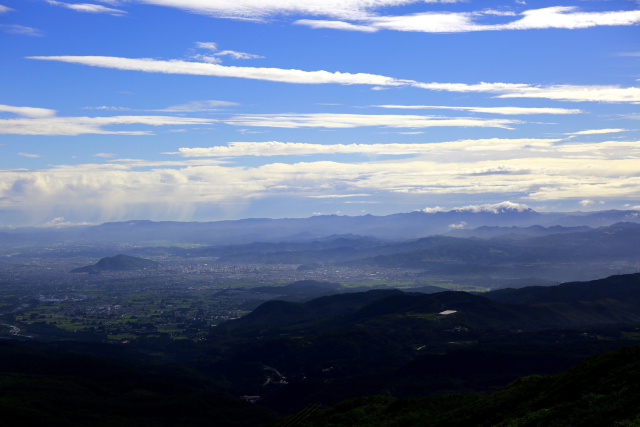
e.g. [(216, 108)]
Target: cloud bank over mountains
[(210, 109)]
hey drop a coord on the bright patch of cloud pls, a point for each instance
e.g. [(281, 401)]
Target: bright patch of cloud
[(263, 9), (596, 93), (203, 69), (357, 120), (586, 203), (213, 56), (195, 106), (20, 30), (174, 190), (490, 110), (491, 208), (33, 156), (88, 8), (336, 25), (5, 9), (458, 22), (597, 131), (104, 155), (276, 148), (28, 111), (89, 125)]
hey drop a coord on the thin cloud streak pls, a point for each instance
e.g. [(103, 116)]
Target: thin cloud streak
[(259, 10), (593, 93), (335, 121), (556, 17), (276, 148), (32, 112), (71, 126), (490, 110), (88, 8), (203, 69)]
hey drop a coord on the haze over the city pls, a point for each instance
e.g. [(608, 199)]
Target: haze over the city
[(199, 110)]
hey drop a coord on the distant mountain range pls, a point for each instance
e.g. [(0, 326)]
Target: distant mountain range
[(391, 227)]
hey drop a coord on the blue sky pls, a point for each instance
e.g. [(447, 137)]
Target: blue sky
[(209, 109)]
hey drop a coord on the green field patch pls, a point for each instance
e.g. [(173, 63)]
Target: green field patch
[(120, 337)]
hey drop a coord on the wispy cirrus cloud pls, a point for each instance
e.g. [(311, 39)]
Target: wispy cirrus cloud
[(490, 110), (5, 9), (277, 148), (197, 106), (71, 126), (328, 120), (557, 17), (460, 150), (214, 55), (263, 9), (33, 156), (217, 70), (584, 93), (88, 8), (32, 112), (20, 30), (597, 131), (593, 93)]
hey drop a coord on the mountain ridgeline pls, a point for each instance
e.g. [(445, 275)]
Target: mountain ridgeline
[(348, 345), (390, 227)]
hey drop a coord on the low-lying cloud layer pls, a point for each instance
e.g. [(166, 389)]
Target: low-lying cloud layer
[(535, 170)]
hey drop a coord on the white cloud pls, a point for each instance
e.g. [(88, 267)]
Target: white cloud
[(5, 9), (28, 111), (107, 108), (490, 110), (597, 93), (586, 203), (202, 69), (458, 226), (578, 93), (263, 9), (337, 196), (33, 156), (357, 120), (458, 22), (238, 55), (88, 8), (175, 190), (207, 45), (491, 208), (20, 30), (597, 131), (335, 25), (104, 155), (195, 106), (214, 56), (89, 125), (571, 18), (276, 148)]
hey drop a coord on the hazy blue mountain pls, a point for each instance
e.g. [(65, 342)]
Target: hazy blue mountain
[(390, 227), (487, 232)]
